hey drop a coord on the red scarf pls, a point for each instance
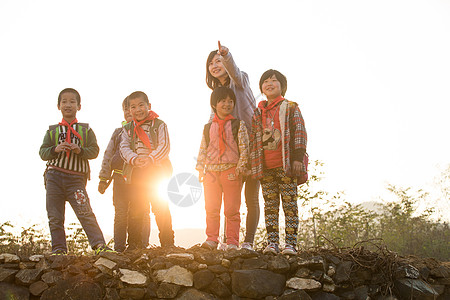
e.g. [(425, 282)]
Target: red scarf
[(140, 132), (266, 108), (69, 131), (222, 131)]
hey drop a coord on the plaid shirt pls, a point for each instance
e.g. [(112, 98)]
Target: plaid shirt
[(293, 137)]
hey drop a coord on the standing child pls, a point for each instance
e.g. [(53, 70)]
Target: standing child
[(278, 145), (221, 70), (112, 169), (145, 148), (221, 162), (67, 147)]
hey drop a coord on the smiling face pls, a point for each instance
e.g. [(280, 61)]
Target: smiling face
[(224, 107), (139, 108), (68, 105), (216, 68), (271, 87)]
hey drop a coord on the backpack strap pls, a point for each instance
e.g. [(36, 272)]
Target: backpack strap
[(235, 124)]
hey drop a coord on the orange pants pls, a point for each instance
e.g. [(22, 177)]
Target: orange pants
[(227, 185)]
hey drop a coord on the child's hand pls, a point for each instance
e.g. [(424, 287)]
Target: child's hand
[(102, 186), (201, 176), (142, 161), (223, 50), (75, 148), (297, 167), (65, 146)]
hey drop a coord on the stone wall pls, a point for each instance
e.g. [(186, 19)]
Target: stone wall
[(197, 273)]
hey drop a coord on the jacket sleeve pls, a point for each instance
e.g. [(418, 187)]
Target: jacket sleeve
[(243, 146), (47, 150), (162, 150), (125, 148), (110, 151), (91, 149), (201, 158), (299, 135), (238, 77)]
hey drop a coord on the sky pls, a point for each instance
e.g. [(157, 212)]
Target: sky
[(371, 79)]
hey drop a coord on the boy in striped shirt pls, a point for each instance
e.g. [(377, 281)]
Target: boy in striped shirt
[(67, 146), (145, 149)]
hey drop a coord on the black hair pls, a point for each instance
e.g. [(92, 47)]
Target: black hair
[(220, 93), (138, 94), (69, 90), (125, 104), (281, 78), (211, 81)]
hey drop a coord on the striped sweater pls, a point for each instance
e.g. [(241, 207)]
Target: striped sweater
[(75, 163)]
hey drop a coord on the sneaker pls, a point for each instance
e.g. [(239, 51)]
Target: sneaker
[(210, 245), (58, 253), (102, 248), (247, 245), (231, 247), (272, 248), (289, 250)]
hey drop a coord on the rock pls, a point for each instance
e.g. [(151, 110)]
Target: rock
[(217, 269), (202, 266), (43, 265), (118, 258), (294, 295), (327, 279), (152, 287), (440, 272), (108, 264), (62, 261), (343, 272), (303, 284), (324, 296), (7, 275), (28, 276), (225, 277), (167, 290), (74, 270), (36, 258), (132, 277), (254, 263), (51, 277), (111, 294), (407, 271), (257, 283), (331, 271), (414, 289), (209, 258), (38, 288), (203, 279), (218, 288), (132, 293), (329, 287), (76, 288), (226, 263), (279, 264), (10, 258), (317, 275), (27, 265), (181, 257), (361, 292), (176, 275), (302, 273), (193, 294), (313, 263), (11, 291)]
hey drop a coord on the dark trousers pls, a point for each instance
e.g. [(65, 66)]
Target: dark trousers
[(122, 196), (144, 191), (62, 187)]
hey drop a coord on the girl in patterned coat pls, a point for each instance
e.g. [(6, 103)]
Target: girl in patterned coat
[(277, 148)]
